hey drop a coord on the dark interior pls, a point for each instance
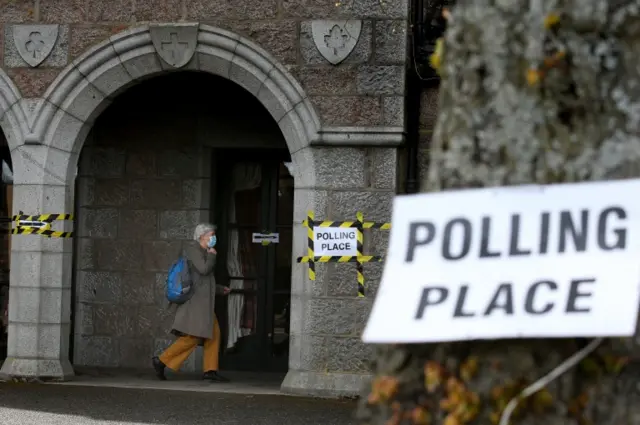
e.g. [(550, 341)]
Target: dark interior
[(5, 225)]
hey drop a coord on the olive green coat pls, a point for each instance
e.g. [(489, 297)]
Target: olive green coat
[(196, 316)]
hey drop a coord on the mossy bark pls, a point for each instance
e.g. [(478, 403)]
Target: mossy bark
[(532, 91)]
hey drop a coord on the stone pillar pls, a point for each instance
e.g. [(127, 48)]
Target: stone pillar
[(40, 291), (327, 356)]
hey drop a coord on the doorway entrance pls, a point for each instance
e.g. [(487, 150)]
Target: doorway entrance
[(254, 213)]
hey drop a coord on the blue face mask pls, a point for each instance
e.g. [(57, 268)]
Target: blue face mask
[(212, 241)]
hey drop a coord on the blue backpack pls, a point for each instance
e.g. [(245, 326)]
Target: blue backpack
[(180, 286)]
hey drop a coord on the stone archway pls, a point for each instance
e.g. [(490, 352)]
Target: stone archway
[(13, 118), (45, 166)]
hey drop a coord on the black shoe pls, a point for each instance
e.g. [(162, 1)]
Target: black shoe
[(213, 376), (159, 367)]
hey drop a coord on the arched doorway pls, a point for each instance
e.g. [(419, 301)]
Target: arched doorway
[(164, 156), (45, 165)]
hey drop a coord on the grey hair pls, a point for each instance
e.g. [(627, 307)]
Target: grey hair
[(203, 228)]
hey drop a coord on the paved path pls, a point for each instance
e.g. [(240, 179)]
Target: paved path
[(30, 404)]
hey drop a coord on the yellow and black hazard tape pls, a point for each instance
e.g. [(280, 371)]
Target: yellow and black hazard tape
[(359, 259), (47, 218), (365, 224), (310, 224), (359, 250), (44, 232), (343, 259)]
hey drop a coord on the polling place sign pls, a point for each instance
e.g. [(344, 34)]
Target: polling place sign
[(513, 262), (335, 241)]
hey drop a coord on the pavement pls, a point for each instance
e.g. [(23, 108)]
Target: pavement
[(92, 403)]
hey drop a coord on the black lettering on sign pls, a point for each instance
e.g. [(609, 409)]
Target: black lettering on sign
[(420, 234), (441, 294), (327, 236), (464, 225), (531, 294), (544, 233), (462, 296), (579, 236), (485, 251), (514, 249), (346, 246), (541, 298), (572, 230), (620, 233), (504, 291), (575, 293)]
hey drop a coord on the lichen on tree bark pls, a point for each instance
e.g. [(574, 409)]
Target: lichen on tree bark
[(532, 91)]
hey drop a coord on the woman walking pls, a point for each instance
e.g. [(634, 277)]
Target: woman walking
[(195, 321)]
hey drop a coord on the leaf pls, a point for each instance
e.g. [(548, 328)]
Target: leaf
[(373, 398), (432, 376), (451, 420), (551, 20), (469, 368), (436, 57), (385, 387), (533, 76), (420, 416), (494, 417)]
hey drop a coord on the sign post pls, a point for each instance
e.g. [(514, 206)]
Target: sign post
[(517, 262)]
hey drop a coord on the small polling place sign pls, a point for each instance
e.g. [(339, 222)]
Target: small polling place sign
[(335, 241), (520, 262)]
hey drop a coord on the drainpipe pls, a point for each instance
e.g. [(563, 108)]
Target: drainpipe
[(414, 92)]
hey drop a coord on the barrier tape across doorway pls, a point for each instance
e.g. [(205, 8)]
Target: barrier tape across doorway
[(359, 259), (40, 225)]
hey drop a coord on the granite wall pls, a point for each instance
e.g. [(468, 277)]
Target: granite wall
[(327, 354), (141, 185), (365, 90)]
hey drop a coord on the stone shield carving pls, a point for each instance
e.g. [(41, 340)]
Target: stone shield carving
[(34, 43), (335, 40), (175, 43)]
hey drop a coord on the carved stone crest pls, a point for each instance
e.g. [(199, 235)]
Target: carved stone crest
[(335, 40), (175, 43), (34, 43)]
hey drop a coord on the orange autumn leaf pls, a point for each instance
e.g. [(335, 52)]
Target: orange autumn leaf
[(420, 416)]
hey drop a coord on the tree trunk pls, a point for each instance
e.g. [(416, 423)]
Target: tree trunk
[(532, 91)]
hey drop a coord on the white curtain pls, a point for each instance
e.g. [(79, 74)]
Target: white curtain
[(7, 175), (245, 177)]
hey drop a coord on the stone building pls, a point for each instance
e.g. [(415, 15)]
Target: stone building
[(144, 118)]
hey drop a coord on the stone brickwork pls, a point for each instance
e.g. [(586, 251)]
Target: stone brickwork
[(342, 124), (365, 90), (327, 354), (136, 207)]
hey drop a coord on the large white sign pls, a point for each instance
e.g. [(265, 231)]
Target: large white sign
[(334, 241), (528, 261)]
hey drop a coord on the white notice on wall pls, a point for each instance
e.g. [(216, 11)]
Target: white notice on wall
[(335, 241), (521, 262)]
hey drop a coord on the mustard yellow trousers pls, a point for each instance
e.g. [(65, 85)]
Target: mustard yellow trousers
[(178, 352)]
